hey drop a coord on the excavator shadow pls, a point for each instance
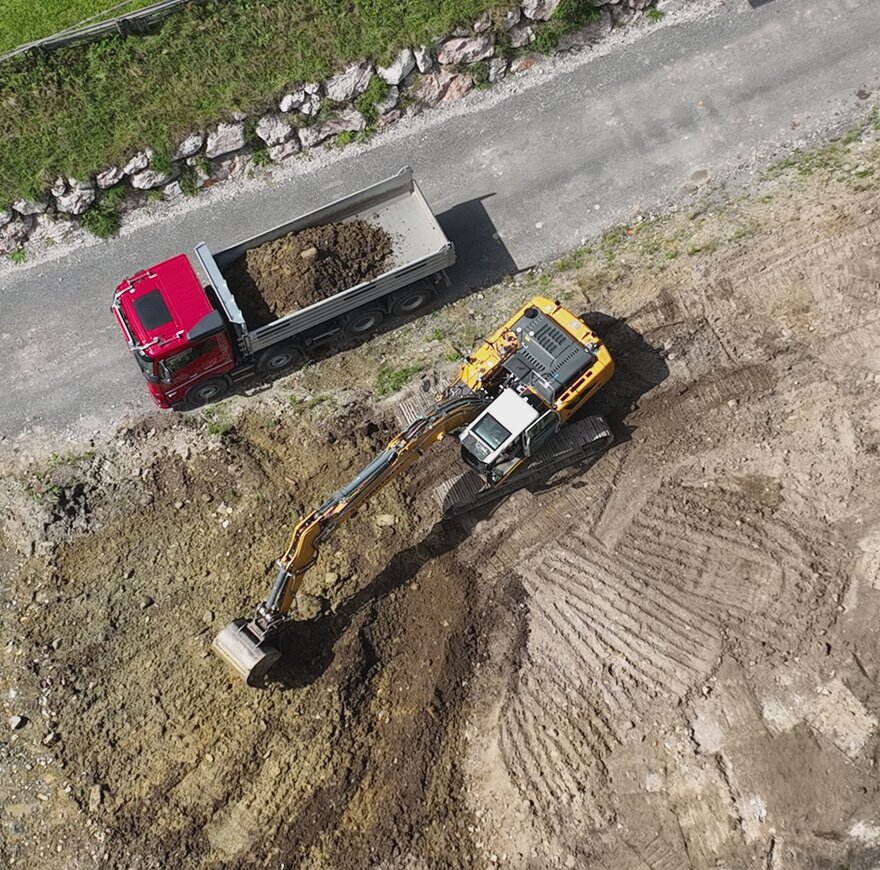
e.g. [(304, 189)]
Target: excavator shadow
[(638, 368), (308, 646)]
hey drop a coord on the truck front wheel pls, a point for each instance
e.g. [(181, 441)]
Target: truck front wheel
[(279, 358), (206, 391)]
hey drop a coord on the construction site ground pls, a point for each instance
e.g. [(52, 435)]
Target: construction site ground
[(668, 660)]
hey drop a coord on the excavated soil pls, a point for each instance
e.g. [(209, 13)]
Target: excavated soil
[(276, 278), (666, 660)]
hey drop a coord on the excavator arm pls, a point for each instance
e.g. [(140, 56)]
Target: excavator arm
[(247, 645)]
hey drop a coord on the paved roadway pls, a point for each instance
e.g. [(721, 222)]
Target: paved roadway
[(518, 175)]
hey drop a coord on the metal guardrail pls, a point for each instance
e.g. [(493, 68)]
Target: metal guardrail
[(132, 23)]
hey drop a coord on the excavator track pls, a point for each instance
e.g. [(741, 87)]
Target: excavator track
[(585, 439)]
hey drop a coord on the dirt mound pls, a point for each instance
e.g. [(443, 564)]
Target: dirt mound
[(305, 267)]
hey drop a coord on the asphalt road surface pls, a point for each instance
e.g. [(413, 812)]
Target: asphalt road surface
[(517, 175)]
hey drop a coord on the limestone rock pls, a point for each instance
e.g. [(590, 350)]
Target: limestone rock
[(13, 234), (483, 23), (540, 10), (347, 120), (442, 86), (511, 18), (59, 186), (48, 230), (389, 101), (306, 100), (76, 184), (109, 176), (402, 66), (190, 146), (137, 163), (284, 150), (75, 201), (173, 192), (149, 179), (468, 50), (597, 29), (497, 69), (522, 35), (423, 58), (5, 216), (350, 83), (274, 129), (27, 208), (225, 139)]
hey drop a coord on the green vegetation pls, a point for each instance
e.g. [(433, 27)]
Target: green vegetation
[(23, 21), (654, 14), (390, 379), (376, 91), (17, 256), (570, 15), (78, 108)]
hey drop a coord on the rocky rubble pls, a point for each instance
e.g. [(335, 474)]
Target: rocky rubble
[(311, 113)]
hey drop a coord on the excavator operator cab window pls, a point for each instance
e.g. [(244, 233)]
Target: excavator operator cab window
[(491, 432)]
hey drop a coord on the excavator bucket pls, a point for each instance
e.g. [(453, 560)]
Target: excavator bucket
[(248, 655)]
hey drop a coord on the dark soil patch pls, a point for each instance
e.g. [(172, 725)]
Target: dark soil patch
[(303, 268)]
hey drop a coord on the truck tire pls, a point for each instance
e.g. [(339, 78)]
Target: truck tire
[(206, 391), (363, 321), (278, 358), (411, 299)]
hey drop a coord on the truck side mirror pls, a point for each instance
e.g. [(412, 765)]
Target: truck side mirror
[(209, 325)]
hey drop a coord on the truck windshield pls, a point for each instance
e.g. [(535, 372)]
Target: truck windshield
[(146, 365), (169, 367), (491, 432)]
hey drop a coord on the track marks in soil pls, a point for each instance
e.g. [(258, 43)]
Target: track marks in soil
[(616, 630)]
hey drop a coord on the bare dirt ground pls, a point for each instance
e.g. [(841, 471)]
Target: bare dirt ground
[(669, 660), (305, 267)]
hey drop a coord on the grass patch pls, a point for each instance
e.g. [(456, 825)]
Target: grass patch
[(78, 108), (654, 14), (17, 256), (570, 15), (391, 379), (23, 21)]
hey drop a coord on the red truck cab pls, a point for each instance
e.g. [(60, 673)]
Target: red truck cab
[(179, 339)]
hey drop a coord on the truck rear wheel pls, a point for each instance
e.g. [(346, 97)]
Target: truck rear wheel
[(410, 299), (279, 358), (363, 321), (206, 391)]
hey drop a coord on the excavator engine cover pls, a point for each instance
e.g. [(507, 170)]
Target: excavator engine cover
[(248, 655)]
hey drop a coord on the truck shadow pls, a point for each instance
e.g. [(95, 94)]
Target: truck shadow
[(481, 257), (308, 646)]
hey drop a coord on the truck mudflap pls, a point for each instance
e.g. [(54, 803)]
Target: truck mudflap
[(586, 439)]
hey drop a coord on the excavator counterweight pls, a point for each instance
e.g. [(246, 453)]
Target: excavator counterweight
[(508, 403)]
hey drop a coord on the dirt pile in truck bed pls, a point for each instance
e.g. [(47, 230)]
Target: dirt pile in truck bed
[(305, 267)]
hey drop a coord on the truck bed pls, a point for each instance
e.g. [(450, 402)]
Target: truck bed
[(396, 204)]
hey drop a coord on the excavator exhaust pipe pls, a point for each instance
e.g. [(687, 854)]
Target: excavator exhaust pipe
[(249, 656)]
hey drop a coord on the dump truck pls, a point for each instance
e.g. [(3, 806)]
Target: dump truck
[(191, 340), (513, 407)]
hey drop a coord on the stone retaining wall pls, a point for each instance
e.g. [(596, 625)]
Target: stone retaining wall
[(361, 97)]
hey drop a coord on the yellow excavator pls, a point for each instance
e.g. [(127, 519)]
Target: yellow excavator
[(508, 405)]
